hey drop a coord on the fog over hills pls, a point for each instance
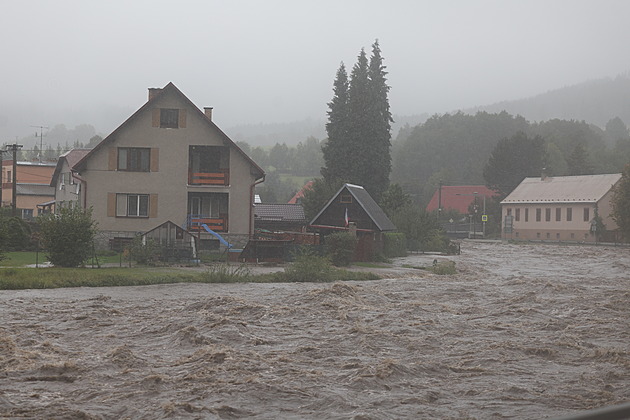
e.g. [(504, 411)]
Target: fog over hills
[(593, 101)]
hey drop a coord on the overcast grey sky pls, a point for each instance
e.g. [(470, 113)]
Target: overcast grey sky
[(71, 61)]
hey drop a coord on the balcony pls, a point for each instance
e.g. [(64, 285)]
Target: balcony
[(195, 222), (220, 178), (209, 166)]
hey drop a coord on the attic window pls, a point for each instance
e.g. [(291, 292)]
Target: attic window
[(345, 198), (169, 118)]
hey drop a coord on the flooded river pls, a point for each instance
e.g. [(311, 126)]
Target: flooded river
[(520, 332)]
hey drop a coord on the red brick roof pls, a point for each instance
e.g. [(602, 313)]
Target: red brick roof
[(459, 197)]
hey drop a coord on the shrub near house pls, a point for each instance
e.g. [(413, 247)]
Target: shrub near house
[(68, 236)]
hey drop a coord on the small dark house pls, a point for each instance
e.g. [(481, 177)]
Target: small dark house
[(352, 209)]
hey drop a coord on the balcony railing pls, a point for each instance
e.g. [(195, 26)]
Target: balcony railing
[(221, 177), (195, 222)]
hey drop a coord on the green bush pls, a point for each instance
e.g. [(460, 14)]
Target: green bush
[(394, 245), (144, 252), (309, 268), (68, 236), (16, 235), (340, 248), (444, 268), (3, 239), (225, 273)]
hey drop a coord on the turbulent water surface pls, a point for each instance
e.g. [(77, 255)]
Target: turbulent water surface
[(520, 332)]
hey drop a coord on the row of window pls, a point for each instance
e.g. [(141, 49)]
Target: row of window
[(548, 213), (205, 159), (548, 235)]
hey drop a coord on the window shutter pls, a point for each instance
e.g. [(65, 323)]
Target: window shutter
[(155, 159), (156, 117), (113, 158), (153, 205), (111, 204), (182, 118)]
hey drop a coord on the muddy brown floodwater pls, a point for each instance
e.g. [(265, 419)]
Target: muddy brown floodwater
[(521, 332)]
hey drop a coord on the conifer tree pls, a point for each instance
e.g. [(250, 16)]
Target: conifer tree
[(358, 138), (359, 126), (380, 121), (336, 148)]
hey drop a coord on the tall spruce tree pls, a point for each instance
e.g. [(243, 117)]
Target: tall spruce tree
[(359, 126), (379, 136), (359, 123), (336, 149)]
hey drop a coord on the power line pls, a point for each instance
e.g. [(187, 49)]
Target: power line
[(41, 138)]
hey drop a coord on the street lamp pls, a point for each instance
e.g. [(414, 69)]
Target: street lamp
[(483, 216)]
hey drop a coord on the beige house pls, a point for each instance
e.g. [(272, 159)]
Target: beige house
[(169, 162), (560, 208), (67, 183)]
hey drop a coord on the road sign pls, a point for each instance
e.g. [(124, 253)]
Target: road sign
[(484, 217)]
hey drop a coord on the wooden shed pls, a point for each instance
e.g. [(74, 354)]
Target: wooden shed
[(353, 209)]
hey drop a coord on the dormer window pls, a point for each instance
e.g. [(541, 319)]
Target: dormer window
[(169, 118)]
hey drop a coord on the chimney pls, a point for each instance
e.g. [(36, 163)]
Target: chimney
[(208, 111), (153, 92)]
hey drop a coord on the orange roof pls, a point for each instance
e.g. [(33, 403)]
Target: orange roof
[(300, 194), (458, 197)]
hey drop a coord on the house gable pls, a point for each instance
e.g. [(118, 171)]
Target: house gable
[(360, 208), (169, 98), (169, 161)]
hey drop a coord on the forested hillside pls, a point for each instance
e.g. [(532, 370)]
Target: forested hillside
[(453, 149)]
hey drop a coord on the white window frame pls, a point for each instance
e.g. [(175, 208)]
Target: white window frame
[(125, 206)]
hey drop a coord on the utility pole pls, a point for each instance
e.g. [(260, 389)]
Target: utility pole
[(14, 148), (439, 201), (41, 140)]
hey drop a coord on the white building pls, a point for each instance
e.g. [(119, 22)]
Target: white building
[(560, 208)]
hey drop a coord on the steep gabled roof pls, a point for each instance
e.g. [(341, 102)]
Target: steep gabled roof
[(563, 189), (72, 157), (367, 203), (171, 88)]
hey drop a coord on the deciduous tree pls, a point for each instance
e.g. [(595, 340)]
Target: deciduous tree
[(578, 161), (621, 203), (512, 160)]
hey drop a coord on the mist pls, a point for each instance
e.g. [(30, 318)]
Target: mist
[(75, 62)]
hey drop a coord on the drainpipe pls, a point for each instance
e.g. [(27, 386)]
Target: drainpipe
[(251, 204), (84, 184)]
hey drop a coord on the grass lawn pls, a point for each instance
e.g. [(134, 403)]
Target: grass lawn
[(12, 278), (24, 258)]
